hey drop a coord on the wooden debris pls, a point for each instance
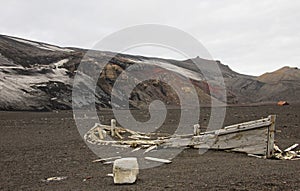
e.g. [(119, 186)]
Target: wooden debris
[(257, 156), (102, 133), (137, 137), (87, 178), (150, 148), (277, 149), (113, 127), (136, 149), (196, 130), (158, 160), (287, 154), (107, 159), (109, 162), (118, 135), (121, 146), (54, 178), (271, 137), (291, 147)]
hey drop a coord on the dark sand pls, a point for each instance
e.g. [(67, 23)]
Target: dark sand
[(39, 145)]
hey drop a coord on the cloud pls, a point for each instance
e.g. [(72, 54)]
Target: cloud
[(252, 37)]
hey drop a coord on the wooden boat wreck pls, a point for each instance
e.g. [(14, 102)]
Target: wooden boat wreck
[(254, 138)]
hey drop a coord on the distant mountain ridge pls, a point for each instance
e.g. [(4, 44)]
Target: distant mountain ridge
[(283, 74), (39, 76)]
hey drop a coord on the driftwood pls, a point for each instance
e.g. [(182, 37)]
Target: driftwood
[(158, 160), (256, 138), (287, 154)]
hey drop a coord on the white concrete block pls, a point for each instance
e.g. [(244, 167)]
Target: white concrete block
[(125, 170)]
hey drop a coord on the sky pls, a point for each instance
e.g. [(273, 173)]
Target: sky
[(251, 36)]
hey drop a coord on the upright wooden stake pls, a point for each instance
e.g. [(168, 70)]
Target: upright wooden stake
[(113, 127), (196, 130), (271, 137)]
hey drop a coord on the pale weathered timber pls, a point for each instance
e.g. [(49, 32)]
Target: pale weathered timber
[(113, 127), (254, 137), (287, 154), (158, 160), (107, 159), (271, 137), (291, 147)]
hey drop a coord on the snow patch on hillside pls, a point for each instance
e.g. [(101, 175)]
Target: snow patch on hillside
[(60, 63), (182, 71), (42, 46), (16, 88)]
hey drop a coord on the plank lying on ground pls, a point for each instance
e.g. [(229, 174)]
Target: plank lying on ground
[(107, 159), (158, 160), (291, 147)]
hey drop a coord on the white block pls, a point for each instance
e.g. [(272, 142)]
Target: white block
[(125, 170)]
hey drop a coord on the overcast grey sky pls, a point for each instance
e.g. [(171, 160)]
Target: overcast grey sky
[(251, 36)]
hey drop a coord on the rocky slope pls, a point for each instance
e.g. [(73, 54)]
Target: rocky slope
[(39, 76)]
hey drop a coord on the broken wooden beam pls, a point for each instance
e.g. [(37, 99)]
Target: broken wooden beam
[(158, 160), (291, 147)]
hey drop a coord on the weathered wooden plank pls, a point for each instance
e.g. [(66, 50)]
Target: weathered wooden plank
[(253, 142), (291, 147), (240, 125), (203, 141), (158, 160), (107, 159), (249, 127), (177, 142), (150, 148), (255, 149)]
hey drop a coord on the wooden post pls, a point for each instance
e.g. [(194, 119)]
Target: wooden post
[(100, 133), (271, 137), (113, 127), (196, 130)]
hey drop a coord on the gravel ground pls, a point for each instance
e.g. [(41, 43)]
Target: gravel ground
[(36, 145)]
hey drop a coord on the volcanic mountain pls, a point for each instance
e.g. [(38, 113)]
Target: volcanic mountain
[(40, 76)]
